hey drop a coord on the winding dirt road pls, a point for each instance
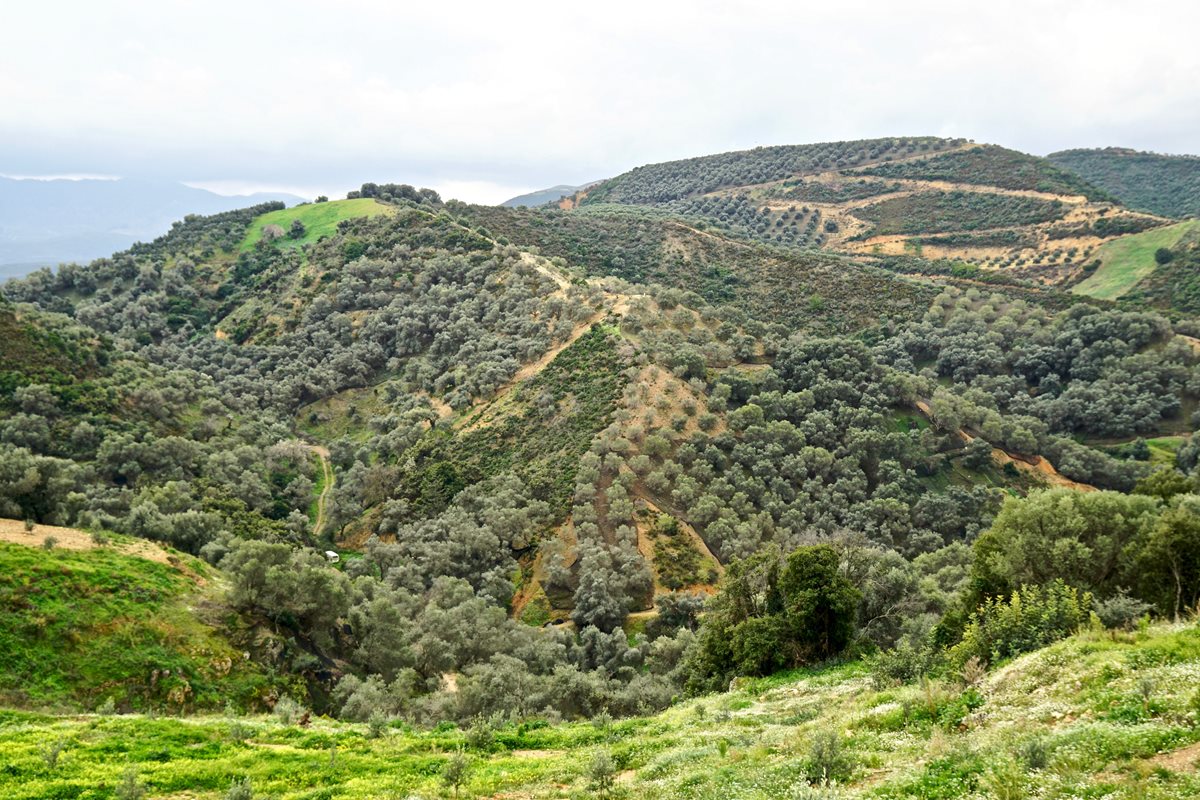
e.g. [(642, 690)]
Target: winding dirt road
[(327, 470)]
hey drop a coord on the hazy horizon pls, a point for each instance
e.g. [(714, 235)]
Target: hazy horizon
[(493, 101)]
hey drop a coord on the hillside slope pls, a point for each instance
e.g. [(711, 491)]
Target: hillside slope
[(54, 221), (1162, 184), (1005, 214), (88, 621), (1093, 716), (550, 432)]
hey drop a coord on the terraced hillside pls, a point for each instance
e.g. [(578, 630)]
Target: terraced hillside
[(997, 210)]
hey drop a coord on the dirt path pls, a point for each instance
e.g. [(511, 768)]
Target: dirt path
[(538, 263), (618, 307), (327, 470), (1036, 464)]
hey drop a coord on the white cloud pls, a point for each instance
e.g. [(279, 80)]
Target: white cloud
[(482, 98)]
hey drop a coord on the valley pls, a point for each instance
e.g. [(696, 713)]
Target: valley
[(640, 494)]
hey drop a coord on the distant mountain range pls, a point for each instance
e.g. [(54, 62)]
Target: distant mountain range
[(543, 196), (47, 222)]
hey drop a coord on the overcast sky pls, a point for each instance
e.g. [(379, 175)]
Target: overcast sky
[(483, 100)]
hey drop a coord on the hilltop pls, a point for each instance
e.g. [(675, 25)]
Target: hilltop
[(993, 212), (1167, 185), (544, 196), (56, 221)]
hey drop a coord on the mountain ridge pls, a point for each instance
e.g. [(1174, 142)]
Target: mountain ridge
[(57, 221)]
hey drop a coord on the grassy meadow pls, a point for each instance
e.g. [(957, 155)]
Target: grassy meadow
[(320, 219), (1125, 261)]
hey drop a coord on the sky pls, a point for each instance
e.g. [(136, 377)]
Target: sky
[(485, 100)]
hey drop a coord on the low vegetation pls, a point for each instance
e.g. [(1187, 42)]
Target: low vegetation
[(1095, 715), (1155, 182)]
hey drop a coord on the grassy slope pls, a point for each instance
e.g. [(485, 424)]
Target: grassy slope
[(1126, 261), (1082, 699), (320, 219), (78, 627)]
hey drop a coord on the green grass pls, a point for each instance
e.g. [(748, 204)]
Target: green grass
[(79, 627), (1084, 700), (320, 219), (1126, 261)]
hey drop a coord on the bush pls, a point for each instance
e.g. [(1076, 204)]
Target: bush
[(130, 788), (454, 773), (905, 663), (49, 543), (287, 710), (240, 789), (1121, 612), (52, 753), (828, 761), (602, 773), (481, 735), (1032, 618)]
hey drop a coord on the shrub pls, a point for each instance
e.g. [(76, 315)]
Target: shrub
[(454, 773), (905, 663), (1034, 754), (602, 773), (481, 735), (287, 710), (52, 753), (239, 732), (1005, 781), (376, 724), (1032, 618), (828, 761), (240, 789), (49, 543), (130, 788), (1121, 612)]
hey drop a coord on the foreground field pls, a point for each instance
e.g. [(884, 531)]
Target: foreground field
[(1093, 717)]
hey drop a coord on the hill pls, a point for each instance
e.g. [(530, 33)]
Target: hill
[(1092, 716), (108, 620), (544, 196), (1009, 216), (55, 221), (1160, 184), (449, 463)]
